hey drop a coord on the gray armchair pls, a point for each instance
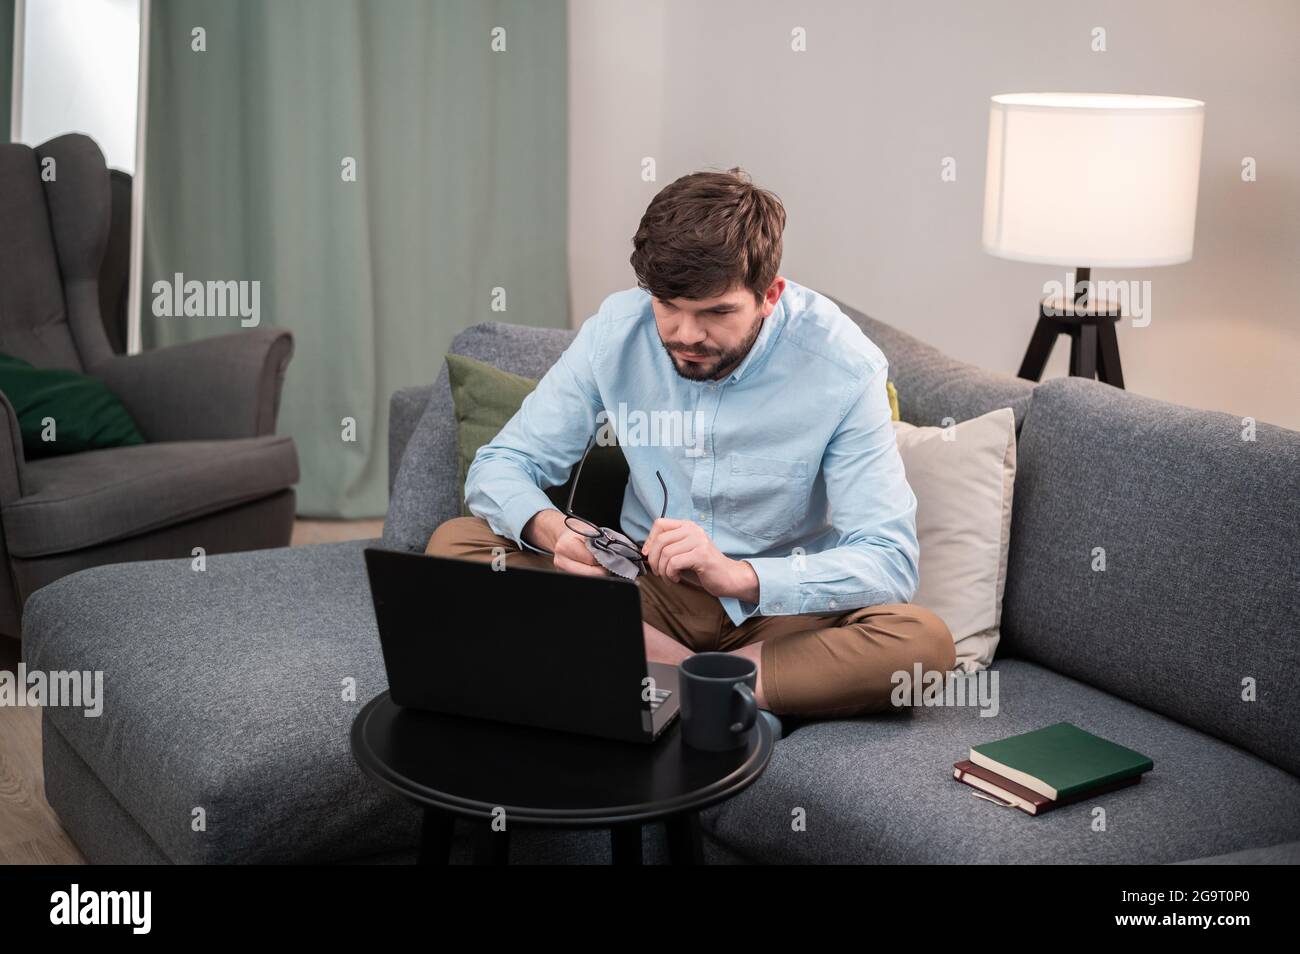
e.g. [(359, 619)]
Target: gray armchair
[(212, 474)]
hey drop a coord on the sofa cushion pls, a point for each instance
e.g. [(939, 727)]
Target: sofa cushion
[(486, 398), (963, 478), (1198, 602), (82, 500), (880, 789), (225, 690), (426, 493)]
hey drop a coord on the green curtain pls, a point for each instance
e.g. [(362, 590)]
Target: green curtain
[(461, 169), (6, 64)]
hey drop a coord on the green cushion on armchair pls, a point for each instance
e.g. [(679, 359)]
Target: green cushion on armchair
[(64, 412)]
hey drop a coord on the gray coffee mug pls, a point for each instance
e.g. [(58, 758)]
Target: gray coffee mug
[(717, 700)]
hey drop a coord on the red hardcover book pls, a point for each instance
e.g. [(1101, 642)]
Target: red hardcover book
[(1016, 795)]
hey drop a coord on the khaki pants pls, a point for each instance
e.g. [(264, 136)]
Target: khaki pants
[(815, 665)]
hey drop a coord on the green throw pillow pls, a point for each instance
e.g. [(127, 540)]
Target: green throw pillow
[(485, 398), (893, 400), (86, 414)]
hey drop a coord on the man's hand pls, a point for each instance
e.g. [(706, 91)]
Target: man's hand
[(546, 531), (680, 549)]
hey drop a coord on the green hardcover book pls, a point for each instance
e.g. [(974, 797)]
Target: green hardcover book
[(1060, 760)]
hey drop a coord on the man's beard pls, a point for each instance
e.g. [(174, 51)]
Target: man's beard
[(723, 361)]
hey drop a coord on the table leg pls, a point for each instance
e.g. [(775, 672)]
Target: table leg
[(435, 837), (685, 846), (625, 844)]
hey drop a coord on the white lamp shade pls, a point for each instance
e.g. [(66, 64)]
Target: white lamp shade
[(1092, 179)]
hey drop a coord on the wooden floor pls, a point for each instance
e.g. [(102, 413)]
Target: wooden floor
[(29, 831)]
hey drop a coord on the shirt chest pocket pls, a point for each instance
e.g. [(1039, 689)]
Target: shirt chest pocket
[(766, 497)]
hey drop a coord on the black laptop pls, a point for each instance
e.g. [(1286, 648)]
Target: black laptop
[(532, 647)]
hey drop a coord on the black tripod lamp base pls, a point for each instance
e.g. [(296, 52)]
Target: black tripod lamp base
[(1094, 347)]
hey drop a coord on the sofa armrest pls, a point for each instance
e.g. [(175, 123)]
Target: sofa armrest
[(211, 389), (12, 457), (405, 408)]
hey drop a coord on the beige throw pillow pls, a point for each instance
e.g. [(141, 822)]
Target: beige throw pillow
[(963, 477)]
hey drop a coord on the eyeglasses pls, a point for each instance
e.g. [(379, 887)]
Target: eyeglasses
[(603, 538)]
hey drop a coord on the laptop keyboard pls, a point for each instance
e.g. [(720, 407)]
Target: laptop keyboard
[(658, 697)]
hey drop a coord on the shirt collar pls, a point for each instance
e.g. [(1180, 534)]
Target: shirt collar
[(763, 343)]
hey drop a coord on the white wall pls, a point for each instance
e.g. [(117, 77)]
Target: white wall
[(852, 132), (617, 52), (80, 63)]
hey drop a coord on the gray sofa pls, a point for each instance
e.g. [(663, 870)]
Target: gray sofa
[(225, 688)]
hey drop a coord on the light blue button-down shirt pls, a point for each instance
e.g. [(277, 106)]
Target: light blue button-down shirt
[(788, 463)]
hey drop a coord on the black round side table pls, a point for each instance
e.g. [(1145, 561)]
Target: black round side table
[(475, 769)]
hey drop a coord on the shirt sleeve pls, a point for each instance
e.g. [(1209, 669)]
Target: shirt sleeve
[(872, 508), (538, 446)]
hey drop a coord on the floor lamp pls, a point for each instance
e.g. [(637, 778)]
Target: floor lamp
[(1090, 180)]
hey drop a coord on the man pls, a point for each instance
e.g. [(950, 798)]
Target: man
[(790, 532)]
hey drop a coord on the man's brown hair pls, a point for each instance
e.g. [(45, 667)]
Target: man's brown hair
[(706, 233)]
